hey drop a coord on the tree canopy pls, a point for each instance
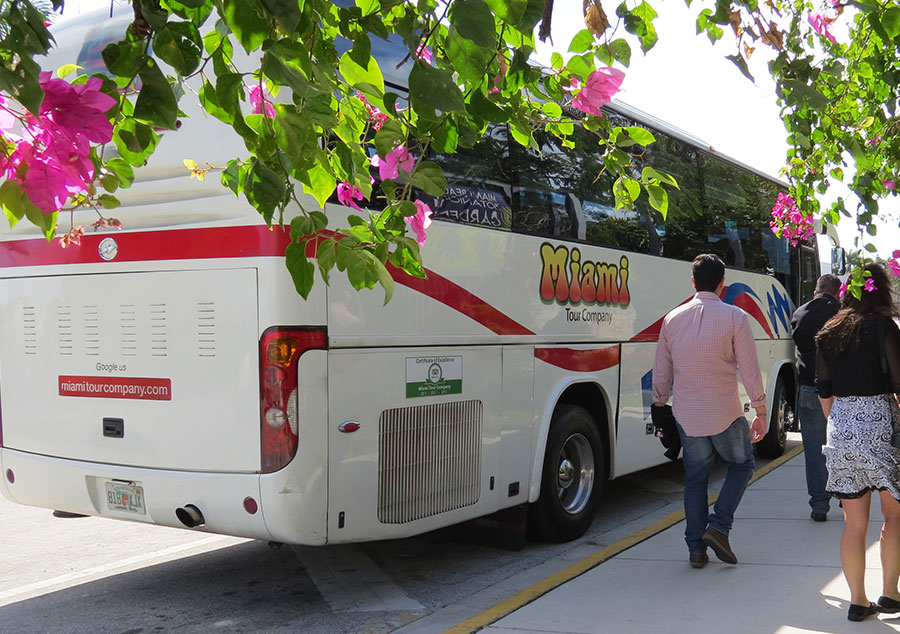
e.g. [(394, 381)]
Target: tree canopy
[(297, 81)]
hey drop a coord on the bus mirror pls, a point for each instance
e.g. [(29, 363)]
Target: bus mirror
[(838, 261)]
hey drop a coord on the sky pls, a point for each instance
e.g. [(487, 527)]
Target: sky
[(688, 83)]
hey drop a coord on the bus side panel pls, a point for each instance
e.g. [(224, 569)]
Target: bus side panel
[(518, 414), (551, 382), (636, 446), (427, 444)]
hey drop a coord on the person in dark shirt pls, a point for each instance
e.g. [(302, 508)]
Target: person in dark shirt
[(805, 325), (858, 378)]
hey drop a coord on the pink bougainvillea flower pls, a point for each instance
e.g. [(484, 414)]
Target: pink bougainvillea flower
[(389, 166), (896, 254), (424, 53), (420, 221), (889, 185), (79, 108), (894, 267), (598, 91), (347, 195), (843, 290), (820, 23), (870, 285), (259, 102)]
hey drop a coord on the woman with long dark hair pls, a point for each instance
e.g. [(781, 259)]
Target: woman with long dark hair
[(858, 378)]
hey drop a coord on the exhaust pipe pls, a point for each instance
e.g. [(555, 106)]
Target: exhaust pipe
[(190, 516)]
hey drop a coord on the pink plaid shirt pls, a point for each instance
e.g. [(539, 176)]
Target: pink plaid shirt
[(702, 345)]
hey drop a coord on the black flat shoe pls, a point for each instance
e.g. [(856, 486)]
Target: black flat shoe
[(888, 605), (859, 612)]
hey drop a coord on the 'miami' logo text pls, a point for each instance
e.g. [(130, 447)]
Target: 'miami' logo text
[(567, 280)]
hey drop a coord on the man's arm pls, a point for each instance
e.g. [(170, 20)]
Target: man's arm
[(748, 364), (662, 369)]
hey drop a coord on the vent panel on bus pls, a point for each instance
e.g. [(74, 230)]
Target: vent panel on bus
[(429, 460)]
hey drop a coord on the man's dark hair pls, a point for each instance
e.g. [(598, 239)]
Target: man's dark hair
[(830, 284), (708, 271)]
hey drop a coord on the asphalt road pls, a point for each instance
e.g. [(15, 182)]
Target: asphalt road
[(97, 576)]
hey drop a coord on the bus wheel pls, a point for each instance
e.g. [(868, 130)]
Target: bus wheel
[(572, 477), (782, 418)]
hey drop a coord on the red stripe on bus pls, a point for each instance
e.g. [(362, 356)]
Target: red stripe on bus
[(456, 297), (579, 360), (746, 303), (179, 244)]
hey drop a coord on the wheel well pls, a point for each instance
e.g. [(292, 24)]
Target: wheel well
[(786, 374), (591, 397)]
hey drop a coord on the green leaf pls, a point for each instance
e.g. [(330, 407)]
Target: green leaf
[(469, 59), (429, 177), (474, 21), (486, 110), (156, 102), (384, 278), (123, 59), (433, 89), (890, 19), (356, 75), (320, 181), (302, 270), (390, 136), (264, 189), (179, 45), (66, 70), (108, 202), (135, 141), (122, 170), (509, 11), (582, 41), (246, 21), (659, 199), (648, 172), (552, 109), (287, 12), (45, 222), (12, 199), (633, 134), (325, 256)]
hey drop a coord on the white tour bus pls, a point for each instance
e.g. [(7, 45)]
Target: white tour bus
[(144, 374)]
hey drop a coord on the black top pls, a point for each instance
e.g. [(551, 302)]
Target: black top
[(858, 372), (805, 325)]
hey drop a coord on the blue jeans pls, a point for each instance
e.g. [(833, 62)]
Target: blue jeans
[(733, 447), (812, 428)]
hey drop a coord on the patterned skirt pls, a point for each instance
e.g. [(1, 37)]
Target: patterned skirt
[(858, 452)]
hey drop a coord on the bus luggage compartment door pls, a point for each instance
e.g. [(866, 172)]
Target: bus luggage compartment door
[(414, 439)]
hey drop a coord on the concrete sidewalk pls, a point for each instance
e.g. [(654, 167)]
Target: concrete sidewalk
[(788, 580)]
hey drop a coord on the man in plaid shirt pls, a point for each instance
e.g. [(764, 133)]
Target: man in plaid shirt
[(703, 344)]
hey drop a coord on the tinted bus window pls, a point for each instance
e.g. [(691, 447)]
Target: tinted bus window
[(478, 183)]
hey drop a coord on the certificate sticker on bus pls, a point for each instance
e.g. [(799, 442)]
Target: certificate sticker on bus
[(433, 376)]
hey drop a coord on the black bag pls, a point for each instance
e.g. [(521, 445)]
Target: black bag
[(886, 373), (664, 424)]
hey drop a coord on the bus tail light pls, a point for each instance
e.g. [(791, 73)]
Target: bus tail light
[(279, 351)]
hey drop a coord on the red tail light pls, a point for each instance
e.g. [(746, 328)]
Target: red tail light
[(279, 351)]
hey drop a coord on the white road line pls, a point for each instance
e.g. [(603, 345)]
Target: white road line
[(35, 589), (350, 581)]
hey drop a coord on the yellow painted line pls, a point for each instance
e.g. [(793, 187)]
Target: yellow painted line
[(526, 596)]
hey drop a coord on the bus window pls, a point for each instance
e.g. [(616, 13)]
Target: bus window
[(542, 182), (478, 184)]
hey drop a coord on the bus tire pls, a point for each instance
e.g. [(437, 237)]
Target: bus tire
[(572, 477), (781, 418)]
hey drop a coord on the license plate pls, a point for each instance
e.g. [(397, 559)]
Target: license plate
[(127, 497)]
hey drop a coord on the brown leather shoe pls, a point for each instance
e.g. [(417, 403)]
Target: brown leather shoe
[(718, 541), (698, 560)]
